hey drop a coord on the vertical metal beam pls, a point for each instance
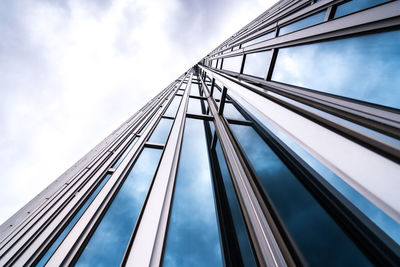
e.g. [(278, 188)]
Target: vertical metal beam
[(266, 246), (222, 101), (148, 243)]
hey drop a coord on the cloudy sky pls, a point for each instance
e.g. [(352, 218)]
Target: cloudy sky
[(72, 71)]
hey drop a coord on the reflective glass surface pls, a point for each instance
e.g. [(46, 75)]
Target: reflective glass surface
[(108, 243), (232, 63), (239, 226), (303, 23), (195, 89), (365, 68), (173, 107), (217, 91), (192, 237), (121, 158), (231, 112), (381, 219), (161, 132), (69, 226), (321, 241), (197, 106), (260, 39), (354, 6), (256, 64)]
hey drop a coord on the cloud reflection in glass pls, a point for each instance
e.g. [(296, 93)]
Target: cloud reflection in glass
[(365, 68), (316, 234), (192, 237), (108, 243)]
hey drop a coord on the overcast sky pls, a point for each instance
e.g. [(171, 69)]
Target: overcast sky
[(72, 71)]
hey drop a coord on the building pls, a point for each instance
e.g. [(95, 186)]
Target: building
[(279, 148)]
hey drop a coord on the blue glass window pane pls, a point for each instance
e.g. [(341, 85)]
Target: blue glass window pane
[(365, 68), (237, 216), (195, 89), (108, 243), (66, 230), (173, 107), (231, 112), (193, 238), (121, 158), (197, 106), (161, 132), (260, 39), (232, 63), (321, 241), (304, 23), (256, 64), (354, 6)]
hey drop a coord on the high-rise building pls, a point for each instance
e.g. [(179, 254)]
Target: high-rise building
[(279, 148)]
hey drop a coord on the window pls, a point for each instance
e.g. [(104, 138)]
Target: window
[(195, 89), (232, 63), (304, 23), (256, 64), (260, 39), (161, 132), (354, 6), (121, 158), (231, 112), (197, 106), (240, 251), (365, 68), (173, 107), (108, 243), (193, 237), (69, 226)]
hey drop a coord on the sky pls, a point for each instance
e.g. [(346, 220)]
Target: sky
[(72, 71)]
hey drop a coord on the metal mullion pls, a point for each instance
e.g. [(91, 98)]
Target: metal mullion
[(222, 102), (197, 97), (199, 116), (68, 248), (267, 250), (154, 145), (147, 246)]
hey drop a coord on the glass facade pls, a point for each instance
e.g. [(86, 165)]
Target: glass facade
[(354, 6), (256, 64), (329, 245), (365, 68), (297, 166), (108, 243), (232, 63), (303, 23), (193, 208)]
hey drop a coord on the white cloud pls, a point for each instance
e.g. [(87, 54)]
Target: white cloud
[(73, 71)]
